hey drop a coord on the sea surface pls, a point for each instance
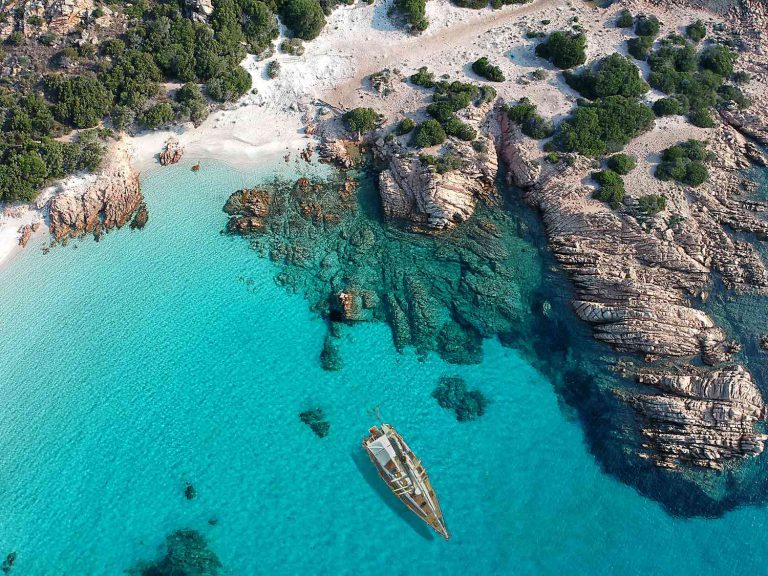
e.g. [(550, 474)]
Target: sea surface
[(152, 359)]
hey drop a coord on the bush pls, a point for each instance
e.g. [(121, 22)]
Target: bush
[(668, 107), (191, 104), (15, 39), (415, 13), (457, 94), (429, 133), (259, 25), (647, 26), (524, 113), (625, 19), (640, 47), (305, 18), (293, 46), (273, 69), (684, 163), (652, 204), (405, 126), (611, 76), (122, 117), (611, 188), (81, 101), (156, 116), (361, 120), (423, 78), (741, 77), (482, 67), (719, 59), (605, 125), (622, 163), (696, 31), (564, 49), (701, 117), (485, 95), (230, 85)]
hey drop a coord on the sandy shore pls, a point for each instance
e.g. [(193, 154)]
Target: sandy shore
[(358, 40)]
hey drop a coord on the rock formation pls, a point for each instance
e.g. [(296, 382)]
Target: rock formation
[(247, 209), (199, 10), (634, 283), (172, 153), (60, 16), (106, 201), (416, 192)]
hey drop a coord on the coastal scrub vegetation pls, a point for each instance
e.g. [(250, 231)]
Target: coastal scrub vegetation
[(429, 133), (625, 19), (447, 99), (603, 126), (478, 4), (305, 18), (684, 163), (646, 28), (622, 163), (525, 114), (611, 189), (414, 12), (696, 31), (483, 67), (652, 204), (361, 120), (614, 75), (564, 49)]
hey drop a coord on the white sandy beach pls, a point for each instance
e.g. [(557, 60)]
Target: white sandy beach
[(360, 40)]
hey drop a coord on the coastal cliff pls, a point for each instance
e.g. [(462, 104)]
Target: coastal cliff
[(105, 201)]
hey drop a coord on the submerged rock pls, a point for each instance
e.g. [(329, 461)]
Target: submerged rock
[(141, 217), (8, 563), (451, 393), (189, 491), (330, 357), (186, 553), (315, 419)]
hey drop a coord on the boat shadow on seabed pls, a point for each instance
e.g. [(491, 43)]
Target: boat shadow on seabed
[(369, 474)]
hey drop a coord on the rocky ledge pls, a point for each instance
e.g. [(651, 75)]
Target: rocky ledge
[(417, 192), (107, 200), (635, 279)]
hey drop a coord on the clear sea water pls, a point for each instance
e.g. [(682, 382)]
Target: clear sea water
[(131, 366)]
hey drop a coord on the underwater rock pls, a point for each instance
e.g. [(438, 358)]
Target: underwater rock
[(247, 209), (108, 200), (140, 218), (186, 554), (764, 342), (8, 563), (415, 192), (189, 491), (330, 357), (315, 419), (452, 394)]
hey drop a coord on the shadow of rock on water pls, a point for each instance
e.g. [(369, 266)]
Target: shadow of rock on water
[(369, 474)]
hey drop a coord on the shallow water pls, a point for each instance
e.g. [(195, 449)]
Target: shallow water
[(131, 366)]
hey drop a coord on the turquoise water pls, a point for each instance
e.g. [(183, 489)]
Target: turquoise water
[(131, 366)]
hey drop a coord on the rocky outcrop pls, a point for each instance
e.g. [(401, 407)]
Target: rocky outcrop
[(517, 152), (247, 209), (421, 194), (198, 10), (106, 201), (634, 282), (59, 16), (702, 417), (342, 153), (172, 153)]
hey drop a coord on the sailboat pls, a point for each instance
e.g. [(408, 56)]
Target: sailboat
[(403, 472)]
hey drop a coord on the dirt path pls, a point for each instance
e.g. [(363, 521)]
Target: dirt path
[(373, 57)]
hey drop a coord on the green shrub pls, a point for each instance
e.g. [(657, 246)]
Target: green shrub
[(48, 39), (611, 76), (719, 59), (405, 126), (606, 125), (293, 46), (80, 101), (701, 117), (191, 104), (414, 12), (625, 19), (122, 117), (361, 120), (305, 18), (429, 133), (684, 163), (564, 49), (524, 113), (611, 189), (230, 85), (273, 69), (423, 78), (486, 94), (668, 107), (15, 39), (457, 94), (696, 31), (259, 26), (622, 163), (741, 77), (156, 116), (482, 67), (640, 47), (647, 25), (652, 204)]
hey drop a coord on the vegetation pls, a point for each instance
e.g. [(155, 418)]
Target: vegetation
[(190, 104), (640, 47), (611, 76), (622, 163), (293, 46), (80, 101), (684, 163), (482, 67), (668, 107), (524, 113), (485, 94), (603, 126), (361, 120), (625, 19), (611, 189), (414, 12), (405, 126), (647, 25), (273, 69), (564, 49), (652, 204), (696, 31), (305, 18), (429, 133), (423, 78)]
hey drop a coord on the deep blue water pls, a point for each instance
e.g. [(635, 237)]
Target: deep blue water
[(131, 366)]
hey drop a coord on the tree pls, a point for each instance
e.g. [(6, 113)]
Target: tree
[(611, 76), (157, 115), (611, 187), (668, 107), (230, 85), (625, 19), (564, 49), (81, 101), (259, 24), (696, 31), (191, 104), (415, 13), (305, 18), (719, 59), (647, 25), (361, 120), (640, 47), (622, 163), (429, 133)]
